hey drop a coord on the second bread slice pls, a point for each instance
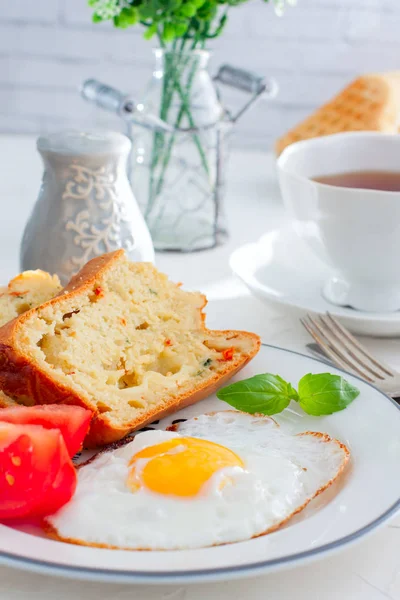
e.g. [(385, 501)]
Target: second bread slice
[(23, 292), (122, 340)]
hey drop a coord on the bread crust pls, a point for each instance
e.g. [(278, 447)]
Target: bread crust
[(21, 377)]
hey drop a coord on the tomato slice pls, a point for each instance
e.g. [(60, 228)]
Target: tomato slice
[(37, 476), (61, 489), (72, 421)]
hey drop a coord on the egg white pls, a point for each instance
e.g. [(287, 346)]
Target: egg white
[(281, 474)]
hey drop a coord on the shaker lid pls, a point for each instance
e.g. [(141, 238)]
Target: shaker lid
[(84, 142)]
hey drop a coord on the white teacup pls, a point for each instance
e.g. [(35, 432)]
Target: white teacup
[(354, 231)]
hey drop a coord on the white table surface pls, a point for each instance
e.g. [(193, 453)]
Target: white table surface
[(368, 571)]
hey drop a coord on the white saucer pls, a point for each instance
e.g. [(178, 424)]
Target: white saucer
[(280, 268)]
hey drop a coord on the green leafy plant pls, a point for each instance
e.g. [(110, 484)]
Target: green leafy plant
[(170, 20), (320, 394), (181, 26)]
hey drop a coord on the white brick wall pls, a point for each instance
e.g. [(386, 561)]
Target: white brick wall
[(48, 47)]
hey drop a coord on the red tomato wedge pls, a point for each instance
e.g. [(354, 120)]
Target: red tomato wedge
[(37, 476), (72, 421)]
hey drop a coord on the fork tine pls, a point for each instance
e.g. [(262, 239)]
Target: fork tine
[(346, 353), (360, 347), (343, 361), (342, 344), (322, 344), (312, 327)]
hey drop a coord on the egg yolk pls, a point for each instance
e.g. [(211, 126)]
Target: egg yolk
[(180, 466)]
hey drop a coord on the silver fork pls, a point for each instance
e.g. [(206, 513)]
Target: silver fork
[(346, 352)]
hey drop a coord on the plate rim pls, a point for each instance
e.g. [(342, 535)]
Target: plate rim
[(382, 318), (214, 574)]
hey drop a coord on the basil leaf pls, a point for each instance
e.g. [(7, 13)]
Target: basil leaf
[(324, 393), (267, 394)]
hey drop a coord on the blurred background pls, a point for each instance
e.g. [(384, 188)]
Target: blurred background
[(48, 47)]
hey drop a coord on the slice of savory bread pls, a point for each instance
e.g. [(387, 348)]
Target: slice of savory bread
[(122, 340), (25, 291)]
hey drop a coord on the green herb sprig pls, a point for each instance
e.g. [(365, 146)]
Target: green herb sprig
[(319, 394)]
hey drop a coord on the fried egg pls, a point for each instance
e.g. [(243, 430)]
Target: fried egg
[(213, 479)]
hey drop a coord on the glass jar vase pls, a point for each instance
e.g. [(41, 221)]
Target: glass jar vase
[(177, 171)]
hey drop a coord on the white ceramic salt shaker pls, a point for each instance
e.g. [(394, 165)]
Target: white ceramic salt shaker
[(86, 205)]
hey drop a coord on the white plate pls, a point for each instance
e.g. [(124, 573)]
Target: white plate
[(367, 496), (280, 268)]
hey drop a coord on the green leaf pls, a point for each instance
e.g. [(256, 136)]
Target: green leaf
[(120, 21), (148, 34), (130, 15), (324, 393), (188, 9), (181, 28), (146, 12), (207, 11), (173, 5), (126, 18), (169, 32), (266, 394), (96, 18)]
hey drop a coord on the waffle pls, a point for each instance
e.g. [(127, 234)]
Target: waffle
[(369, 103)]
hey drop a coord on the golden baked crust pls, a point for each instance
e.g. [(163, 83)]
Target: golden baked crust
[(369, 103), (24, 377)]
